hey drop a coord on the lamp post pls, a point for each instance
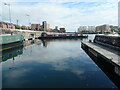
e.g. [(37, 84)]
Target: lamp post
[(9, 13), (17, 21), (28, 19)]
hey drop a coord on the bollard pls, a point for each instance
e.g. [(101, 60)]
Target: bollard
[(90, 40)]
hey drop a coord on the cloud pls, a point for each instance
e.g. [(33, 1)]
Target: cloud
[(61, 1), (15, 77), (63, 13), (63, 60)]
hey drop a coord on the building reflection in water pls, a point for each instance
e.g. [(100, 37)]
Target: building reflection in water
[(44, 43), (11, 53), (31, 42), (14, 52)]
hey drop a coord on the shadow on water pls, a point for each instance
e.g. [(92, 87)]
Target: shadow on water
[(18, 50), (107, 68), (11, 53)]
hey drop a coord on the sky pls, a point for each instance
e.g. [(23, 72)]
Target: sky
[(69, 14)]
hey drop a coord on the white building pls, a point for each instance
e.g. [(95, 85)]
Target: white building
[(86, 28), (91, 28), (82, 28)]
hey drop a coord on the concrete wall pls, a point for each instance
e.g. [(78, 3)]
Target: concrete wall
[(26, 33)]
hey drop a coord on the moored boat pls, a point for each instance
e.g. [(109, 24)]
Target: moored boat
[(8, 41)]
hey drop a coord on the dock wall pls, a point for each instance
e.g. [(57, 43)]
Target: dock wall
[(108, 62), (105, 52), (27, 34), (108, 41)]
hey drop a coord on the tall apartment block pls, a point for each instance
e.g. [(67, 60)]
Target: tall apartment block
[(44, 25)]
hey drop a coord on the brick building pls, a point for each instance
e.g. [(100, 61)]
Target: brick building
[(104, 28), (35, 26), (6, 25), (48, 27)]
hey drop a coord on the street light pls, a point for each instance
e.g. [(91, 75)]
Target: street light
[(9, 13), (28, 19), (17, 21)]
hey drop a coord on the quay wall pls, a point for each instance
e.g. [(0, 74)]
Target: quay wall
[(102, 58), (109, 41), (27, 34), (104, 51)]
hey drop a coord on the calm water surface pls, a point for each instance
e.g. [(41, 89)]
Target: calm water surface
[(52, 64)]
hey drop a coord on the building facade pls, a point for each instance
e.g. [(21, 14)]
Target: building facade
[(35, 26), (86, 28), (62, 30), (56, 27), (104, 28), (82, 28), (6, 25), (44, 24), (91, 28), (48, 28)]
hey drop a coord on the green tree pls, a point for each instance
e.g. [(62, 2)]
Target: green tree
[(98, 31), (115, 30), (23, 27), (17, 27), (41, 29)]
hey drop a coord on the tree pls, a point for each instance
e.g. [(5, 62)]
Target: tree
[(115, 30), (17, 27), (23, 27), (41, 29), (62, 30), (98, 31)]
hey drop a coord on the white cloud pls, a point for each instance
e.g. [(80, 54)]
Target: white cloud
[(69, 15), (61, 1)]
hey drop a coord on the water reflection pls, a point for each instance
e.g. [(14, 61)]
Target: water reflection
[(107, 68), (31, 42), (14, 52), (62, 64), (44, 43), (11, 53)]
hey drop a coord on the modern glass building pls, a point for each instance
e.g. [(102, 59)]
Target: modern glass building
[(44, 25)]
